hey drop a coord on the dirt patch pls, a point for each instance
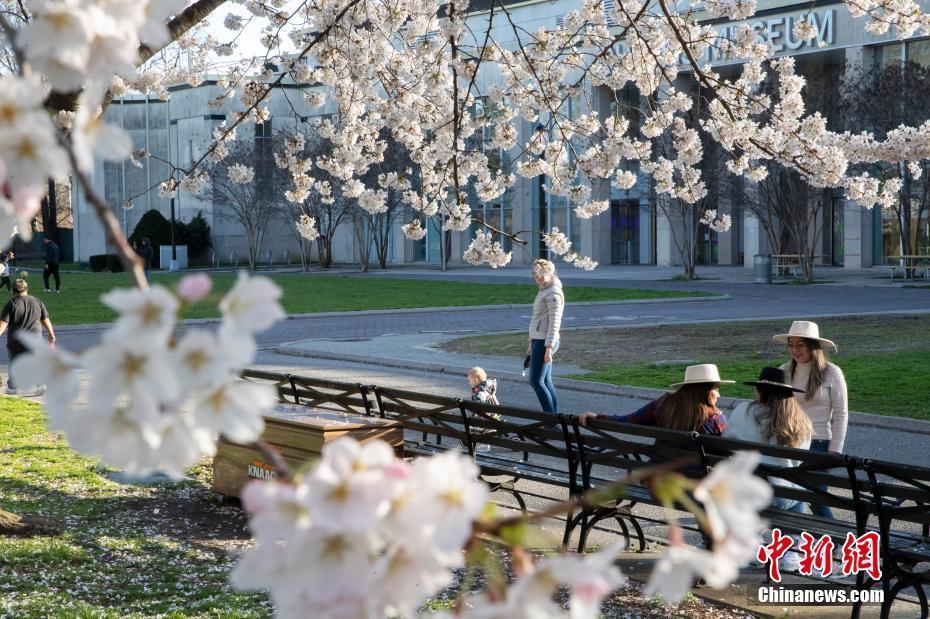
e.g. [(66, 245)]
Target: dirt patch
[(855, 336)]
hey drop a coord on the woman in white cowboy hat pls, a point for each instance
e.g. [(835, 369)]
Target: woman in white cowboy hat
[(692, 407), (823, 389)]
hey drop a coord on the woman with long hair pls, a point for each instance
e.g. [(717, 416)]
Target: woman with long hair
[(823, 394), (774, 417), (692, 407), (544, 333)]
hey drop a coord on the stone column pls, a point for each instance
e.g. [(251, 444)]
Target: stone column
[(857, 237), (752, 238)]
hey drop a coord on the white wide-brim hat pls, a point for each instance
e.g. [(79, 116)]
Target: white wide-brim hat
[(806, 329), (704, 373)]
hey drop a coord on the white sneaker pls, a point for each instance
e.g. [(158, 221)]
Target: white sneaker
[(58, 292), (46, 290)]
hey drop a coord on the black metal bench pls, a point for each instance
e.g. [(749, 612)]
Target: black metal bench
[(514, 446), (900, 494)]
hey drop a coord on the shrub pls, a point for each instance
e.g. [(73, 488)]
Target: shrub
[(105, 262), (195, 234)]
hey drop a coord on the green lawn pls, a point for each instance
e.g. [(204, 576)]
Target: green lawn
[(884, 358), (123, 551), (79, 302)]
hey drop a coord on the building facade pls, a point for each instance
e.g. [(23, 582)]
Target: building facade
[(635, 229)]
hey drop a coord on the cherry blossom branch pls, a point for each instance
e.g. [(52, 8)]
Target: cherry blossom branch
[(512, 236)]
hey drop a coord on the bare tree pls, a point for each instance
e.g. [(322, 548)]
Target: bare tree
[(791, 212), (373, 230), (330, 209), (879, 100), (686, 236), (255, 203)]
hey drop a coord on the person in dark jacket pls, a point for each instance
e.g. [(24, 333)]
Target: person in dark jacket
[(692, 407), (52, 260), (147, 253), (5, 271), (22, 313)]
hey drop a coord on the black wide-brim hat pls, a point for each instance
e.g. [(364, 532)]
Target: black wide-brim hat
[(773, 377)]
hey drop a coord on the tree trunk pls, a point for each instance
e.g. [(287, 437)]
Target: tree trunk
[(322, 250), (50, 213)]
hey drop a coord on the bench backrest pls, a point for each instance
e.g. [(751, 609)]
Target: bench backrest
[(354, 398), (867, 489), (900, 493), (609, 449)]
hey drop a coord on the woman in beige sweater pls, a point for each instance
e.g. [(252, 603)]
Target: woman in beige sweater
[(824, 396), (544, 333)]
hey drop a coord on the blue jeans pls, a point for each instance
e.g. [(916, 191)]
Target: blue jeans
[(791, 505), (541, 376), (821, 445)]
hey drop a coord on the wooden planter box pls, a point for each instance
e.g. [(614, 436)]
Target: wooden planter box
[(299, 434)]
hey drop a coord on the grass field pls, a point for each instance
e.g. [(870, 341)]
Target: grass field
[(79, 301), (884, 358), (122, 551)]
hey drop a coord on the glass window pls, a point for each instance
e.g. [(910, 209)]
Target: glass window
[(919, 52), (888, 55)]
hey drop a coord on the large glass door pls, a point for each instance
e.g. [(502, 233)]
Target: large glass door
[(624, 231)]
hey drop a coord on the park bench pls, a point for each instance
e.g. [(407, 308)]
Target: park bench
[(788, 264), (524, 452), (900, 495), (910, 266)]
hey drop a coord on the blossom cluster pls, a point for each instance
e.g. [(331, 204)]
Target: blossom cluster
[(732, 498), (306, 227), (559, 244), (484, 249), (157, 398), (717, 223), (365, 534)]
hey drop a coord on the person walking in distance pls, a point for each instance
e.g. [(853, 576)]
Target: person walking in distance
[(22, 313), (147, 254), (544, 333), (5, 271), (52, 259)]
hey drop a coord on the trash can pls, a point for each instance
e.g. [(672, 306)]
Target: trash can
[(763, 269)]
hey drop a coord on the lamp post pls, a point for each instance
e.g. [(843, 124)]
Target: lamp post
[(542, 206), (173, 265)]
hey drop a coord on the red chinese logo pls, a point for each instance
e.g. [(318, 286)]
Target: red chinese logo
[(859, 554), (772, 552)]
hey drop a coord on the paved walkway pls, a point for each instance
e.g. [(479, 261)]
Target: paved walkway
[(745, 301)]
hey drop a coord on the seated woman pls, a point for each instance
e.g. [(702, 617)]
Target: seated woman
[(692, 407), (775, 417)]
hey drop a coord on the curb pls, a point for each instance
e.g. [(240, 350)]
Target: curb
[(885, 422)]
